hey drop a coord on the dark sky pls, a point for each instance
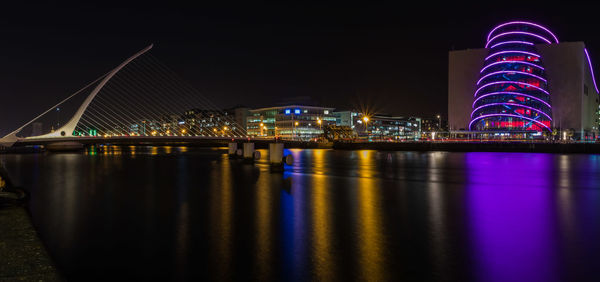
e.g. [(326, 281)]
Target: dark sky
[(392, 57)]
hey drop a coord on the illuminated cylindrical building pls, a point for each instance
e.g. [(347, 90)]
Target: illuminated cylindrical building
[(512, 90)]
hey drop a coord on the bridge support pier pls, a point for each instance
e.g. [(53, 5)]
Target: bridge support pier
[(276, 156), (231, 149), (249, 151)]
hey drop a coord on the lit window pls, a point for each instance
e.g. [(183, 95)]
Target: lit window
[(297, 111), (288, 111), (326, 112)]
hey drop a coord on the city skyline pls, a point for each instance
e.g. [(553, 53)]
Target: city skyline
[(343, 57)]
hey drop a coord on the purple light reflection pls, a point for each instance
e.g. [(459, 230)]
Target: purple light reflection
[(511, 219)]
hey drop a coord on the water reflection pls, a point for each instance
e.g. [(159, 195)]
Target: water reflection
[(264, 257), (187, 213), (511, 219), (182, 221), (369, 221), (322, 223), (221, 213)]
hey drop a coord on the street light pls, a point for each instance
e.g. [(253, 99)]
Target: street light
[(261, 129), (439, 122), (296, 130), (319, 122), (366, 119)]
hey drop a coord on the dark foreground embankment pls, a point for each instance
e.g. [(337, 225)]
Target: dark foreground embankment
[(23, 257), (584, 148)]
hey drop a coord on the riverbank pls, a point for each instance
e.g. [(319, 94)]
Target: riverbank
[(23, 256)]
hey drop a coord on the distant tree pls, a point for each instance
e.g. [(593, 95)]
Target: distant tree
[(337, 133)]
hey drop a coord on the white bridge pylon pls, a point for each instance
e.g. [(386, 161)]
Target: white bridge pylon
[(126, 110), (69, 127)]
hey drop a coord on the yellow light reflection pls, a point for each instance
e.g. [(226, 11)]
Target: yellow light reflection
[(369, 220), (321, 215), (366, 163), (264, 211), (221, 219), (318, 161), (132, 150)]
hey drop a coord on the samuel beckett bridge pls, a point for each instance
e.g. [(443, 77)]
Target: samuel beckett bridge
[(141, 100)]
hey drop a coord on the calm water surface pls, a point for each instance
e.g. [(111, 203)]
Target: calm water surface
[(176, 213)]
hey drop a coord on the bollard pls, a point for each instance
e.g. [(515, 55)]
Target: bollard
[(248, 151), (276, 153), (231, 149)]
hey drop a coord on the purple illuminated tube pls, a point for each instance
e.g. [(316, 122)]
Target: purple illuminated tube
[(512, 51), (518, 32), (511, 42), (508, 115), (511, 104), (509, 82), (587, 55), (511, 62), (510, 93), (511, 72), (525, 23)]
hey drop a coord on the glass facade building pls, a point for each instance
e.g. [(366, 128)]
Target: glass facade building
[(512, 91), (387, 128), (290, 122)]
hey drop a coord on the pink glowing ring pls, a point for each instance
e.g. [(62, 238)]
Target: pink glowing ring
[(525, 23), (508, 115), (511, 62), (510, 93), (512, 104), (519, 72), (587, 55), (512, 42), (509, 82), (512, 51), (517, 32)]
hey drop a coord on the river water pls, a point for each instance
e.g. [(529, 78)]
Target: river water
[(179, 213)]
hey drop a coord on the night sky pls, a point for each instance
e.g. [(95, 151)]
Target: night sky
[(391, 58)]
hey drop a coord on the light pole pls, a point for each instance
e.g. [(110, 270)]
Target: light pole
[(366, 120), (439, 122), (295, 129), (261, 129)]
